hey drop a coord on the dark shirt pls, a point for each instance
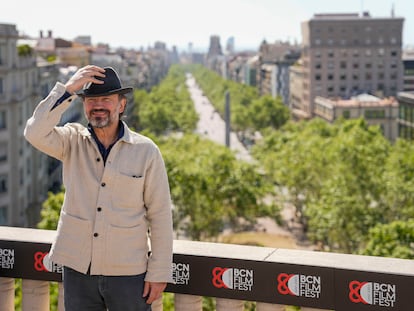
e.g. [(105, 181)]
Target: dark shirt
[(105, 151)]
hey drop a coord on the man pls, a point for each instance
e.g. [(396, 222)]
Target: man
[(117, 197)]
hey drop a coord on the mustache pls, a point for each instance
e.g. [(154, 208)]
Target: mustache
[(99, 110)]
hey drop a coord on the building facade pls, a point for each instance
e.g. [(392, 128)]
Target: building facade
[(20, 190), (408, 65), (349, 54), (376, 111), (406, 115), (275, 60)]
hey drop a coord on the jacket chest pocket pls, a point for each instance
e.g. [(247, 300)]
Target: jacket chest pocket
[(128, 191)]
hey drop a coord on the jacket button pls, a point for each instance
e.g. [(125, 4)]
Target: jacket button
[(95, 234), (99, 209), (103, 184), (98, 159)]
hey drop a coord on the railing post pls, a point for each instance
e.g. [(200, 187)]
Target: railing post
[(61, 297), (35, 295), (229, 304), (184, 302), (157, 305), (261, 306), (6, 294)]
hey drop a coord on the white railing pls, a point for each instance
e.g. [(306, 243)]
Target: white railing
[(233, 274)]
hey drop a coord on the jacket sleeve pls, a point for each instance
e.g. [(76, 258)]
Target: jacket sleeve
[(159, 213), (41, 128)]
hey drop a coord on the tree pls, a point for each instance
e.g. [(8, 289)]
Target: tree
[(51, 210), (168, 107), (267, 111), (333, 176), (395, 239), (211, 189)]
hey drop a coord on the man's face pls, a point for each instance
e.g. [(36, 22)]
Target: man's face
[(103, 111)]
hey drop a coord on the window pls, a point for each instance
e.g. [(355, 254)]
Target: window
[(343, 64), (3, 183), (3, 152), (3, 124), (374, 114), (1, 86), (346, 114), (3, 215)]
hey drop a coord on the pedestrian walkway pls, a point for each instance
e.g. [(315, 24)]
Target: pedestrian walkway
[(212, 126), (210, 123)]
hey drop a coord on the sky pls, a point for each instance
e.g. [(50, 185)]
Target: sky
[(139, 23)]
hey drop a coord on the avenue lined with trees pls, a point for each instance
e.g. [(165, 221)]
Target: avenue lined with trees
[(352, 190)]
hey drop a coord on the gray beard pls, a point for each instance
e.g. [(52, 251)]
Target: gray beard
[(99, 122)]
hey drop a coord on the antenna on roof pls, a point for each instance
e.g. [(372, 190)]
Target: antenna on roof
[(393, 10)]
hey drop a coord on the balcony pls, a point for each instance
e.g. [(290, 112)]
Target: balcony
[(231, 273)]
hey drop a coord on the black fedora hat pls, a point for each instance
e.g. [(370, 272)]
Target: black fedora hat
[(112, 85)]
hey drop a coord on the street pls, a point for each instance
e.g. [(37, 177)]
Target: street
[(210, 123), (212, 126)]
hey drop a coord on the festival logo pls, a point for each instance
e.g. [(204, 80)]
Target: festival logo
[(299, 285), (181, 273), (6, 258), (233, 278), (371, 293), (42, 263)]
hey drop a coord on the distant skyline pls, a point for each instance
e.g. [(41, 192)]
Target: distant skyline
[(136, 24)]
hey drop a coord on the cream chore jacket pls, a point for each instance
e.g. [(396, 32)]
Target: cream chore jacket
[(109, 211)]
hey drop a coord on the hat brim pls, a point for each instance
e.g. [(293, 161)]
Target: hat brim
[(85, 93)]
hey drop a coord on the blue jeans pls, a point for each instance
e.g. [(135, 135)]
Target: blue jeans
[(101, 293)]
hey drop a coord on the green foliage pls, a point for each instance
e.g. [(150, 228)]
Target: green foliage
[(24, 50), (336, 178), (18, 295), (249, 111), (168, 108), (51, 58), (399, 182), (51, 210), (395, 239), (211, 189), (267, 111)]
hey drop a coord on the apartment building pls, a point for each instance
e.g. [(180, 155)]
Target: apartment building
[(275, 60), (408, 65), (406, 115), (382, 112), (20, 191), (349, 54)]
